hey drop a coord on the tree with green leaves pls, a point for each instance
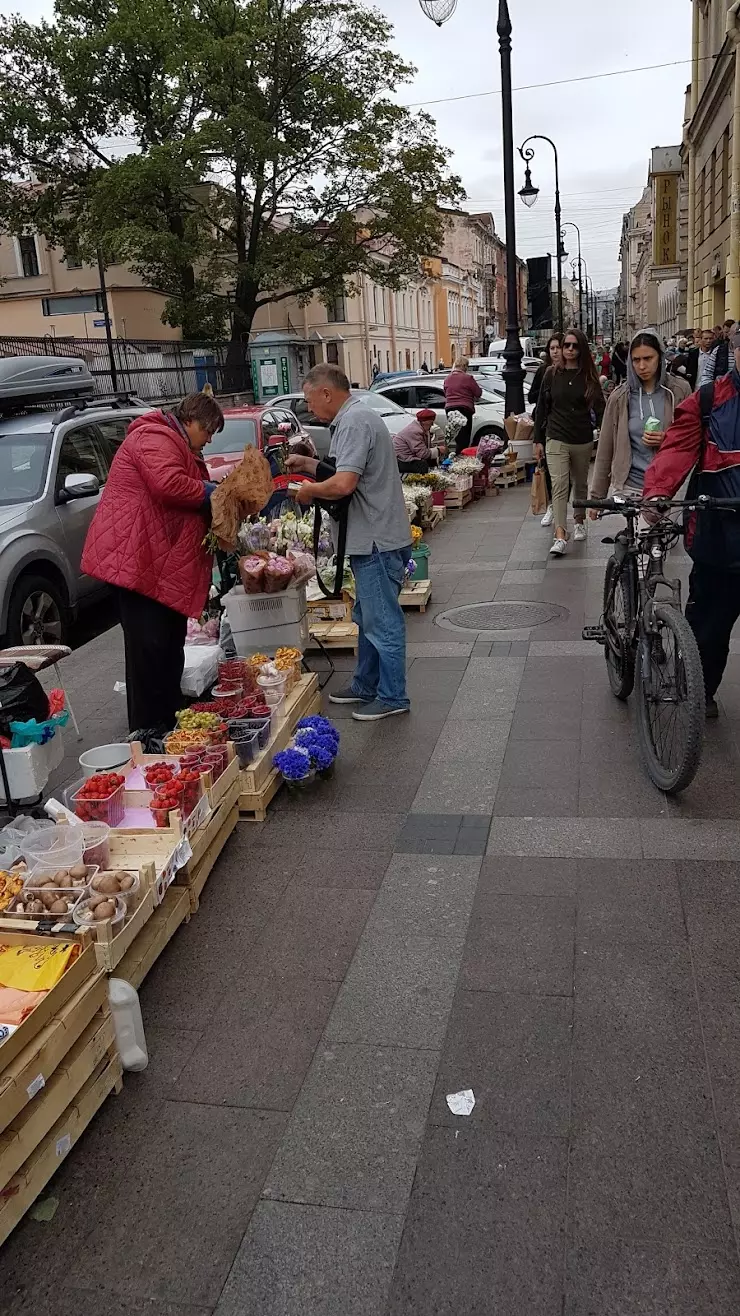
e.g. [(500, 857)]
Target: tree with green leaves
[(235, 152)]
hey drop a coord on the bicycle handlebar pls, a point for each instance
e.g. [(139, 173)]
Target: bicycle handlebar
[(634, 507)]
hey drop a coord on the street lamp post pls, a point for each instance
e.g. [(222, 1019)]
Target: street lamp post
[(529, 195), (513, 375), (569, 224)]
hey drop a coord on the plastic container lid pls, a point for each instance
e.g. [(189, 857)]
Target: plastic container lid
[(60, 846)]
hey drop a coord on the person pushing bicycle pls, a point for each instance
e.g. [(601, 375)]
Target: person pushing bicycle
[(705, 437)]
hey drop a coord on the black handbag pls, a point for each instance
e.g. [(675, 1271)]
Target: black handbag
[(338, 510)]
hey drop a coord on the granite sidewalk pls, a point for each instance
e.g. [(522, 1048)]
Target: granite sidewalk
[(490, 895)]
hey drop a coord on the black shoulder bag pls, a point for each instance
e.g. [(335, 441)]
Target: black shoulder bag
[(338, 510)]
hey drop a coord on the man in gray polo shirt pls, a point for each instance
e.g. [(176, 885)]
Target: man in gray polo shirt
[(378, 537)]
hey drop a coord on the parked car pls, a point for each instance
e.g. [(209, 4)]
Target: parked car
[(246, 427), (395, 417), (53, 464), (428, 391), (491, 368)]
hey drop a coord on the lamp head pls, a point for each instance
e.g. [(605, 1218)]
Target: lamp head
[(438, 10), (528, 193)]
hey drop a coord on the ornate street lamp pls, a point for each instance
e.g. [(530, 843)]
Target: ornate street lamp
[(513, 375), (569, 224), (438, 10), (529, 195)]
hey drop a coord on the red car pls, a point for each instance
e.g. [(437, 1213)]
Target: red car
[(245, 426)]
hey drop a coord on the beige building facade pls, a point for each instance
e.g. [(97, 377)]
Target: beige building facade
[(654, 250), (713, 151), (42, 295)]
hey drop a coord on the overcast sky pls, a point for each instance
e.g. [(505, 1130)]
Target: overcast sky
[(604, 129)]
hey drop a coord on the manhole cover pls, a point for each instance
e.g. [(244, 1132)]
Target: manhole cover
[(493, 618)]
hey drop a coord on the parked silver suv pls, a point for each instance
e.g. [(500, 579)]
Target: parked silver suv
[(53, 464)]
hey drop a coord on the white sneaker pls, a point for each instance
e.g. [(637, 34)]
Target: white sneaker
[(547, 518), (579, 533), (558, 547)]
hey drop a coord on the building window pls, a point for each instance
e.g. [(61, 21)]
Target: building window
[(400, 359), (388, 362), (29, 256), (73, 262), (337, 311), (332, 354), (78, 304)]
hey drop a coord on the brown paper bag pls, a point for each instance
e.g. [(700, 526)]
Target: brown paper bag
[(538, 497), (243, 493), (510, 426)]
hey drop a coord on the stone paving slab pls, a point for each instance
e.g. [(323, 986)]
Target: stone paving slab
[(490, 894)]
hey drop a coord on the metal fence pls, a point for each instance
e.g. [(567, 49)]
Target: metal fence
[(153, 370)]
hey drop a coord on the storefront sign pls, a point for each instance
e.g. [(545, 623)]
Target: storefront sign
[(665, 239), (284, 374)]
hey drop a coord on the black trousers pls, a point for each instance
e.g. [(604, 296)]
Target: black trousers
[(712, 610), (418, 466), (154, 639), (463, 435)]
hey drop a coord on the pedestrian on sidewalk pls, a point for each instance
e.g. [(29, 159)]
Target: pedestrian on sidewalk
[(361, 471), (706, 357), (553, 357), (571, 404), (146, 540), (723, 360), (462, 391), (651, 394), (706, 434), (619, 362)]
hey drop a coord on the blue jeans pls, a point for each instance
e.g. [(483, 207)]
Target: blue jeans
[(381, 650)]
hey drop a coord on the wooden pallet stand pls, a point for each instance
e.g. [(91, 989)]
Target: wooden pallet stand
[(33, 1176), (208, 843), (509, 475), (435, 517), (324, 609), (260, 781), (416, 594), (334, 635), (155, 935)]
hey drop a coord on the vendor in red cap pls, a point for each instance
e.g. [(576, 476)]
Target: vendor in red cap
[(411, 445)]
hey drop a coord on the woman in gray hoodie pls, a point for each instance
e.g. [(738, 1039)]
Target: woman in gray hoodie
[(637, 416)]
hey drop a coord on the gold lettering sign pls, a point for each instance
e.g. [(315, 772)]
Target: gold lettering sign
[(665, 234)]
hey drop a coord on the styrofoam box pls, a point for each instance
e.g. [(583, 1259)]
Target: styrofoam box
[(29, 768), (261, 623)]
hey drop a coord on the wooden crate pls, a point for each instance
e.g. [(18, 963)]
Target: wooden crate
[(24, 1077), (261, 787), (110, 947), (155, 935), (41, 1165), (298, 704), (210, 842), (457, 498), (330, 609), (334, 635), (78, 975), (434, 517), (416, 594), (21, 1138)]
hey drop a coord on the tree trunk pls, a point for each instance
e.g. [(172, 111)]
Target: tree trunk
[(238, 375)]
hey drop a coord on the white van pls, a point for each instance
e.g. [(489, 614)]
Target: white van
[(529, 347)]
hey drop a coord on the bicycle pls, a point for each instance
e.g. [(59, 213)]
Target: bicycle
[(648, 641)]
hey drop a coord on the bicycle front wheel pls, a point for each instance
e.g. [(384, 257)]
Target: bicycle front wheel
[(670, 706), (620, 600)]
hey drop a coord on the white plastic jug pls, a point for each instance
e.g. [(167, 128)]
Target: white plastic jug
[(128, 1023)]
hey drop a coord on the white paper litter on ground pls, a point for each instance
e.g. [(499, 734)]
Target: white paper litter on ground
[(461, 1103)]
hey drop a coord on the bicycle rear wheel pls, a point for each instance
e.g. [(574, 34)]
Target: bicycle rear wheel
[(620, 599), (670, 704)]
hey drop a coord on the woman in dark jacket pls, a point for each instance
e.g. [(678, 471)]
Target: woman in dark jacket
[(554, 351), (619, 363), (571, 401)]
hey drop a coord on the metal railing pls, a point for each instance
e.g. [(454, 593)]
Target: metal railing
[(154, 370)]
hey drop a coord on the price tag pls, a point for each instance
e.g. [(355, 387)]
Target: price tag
[(36, 1085), (183, 853), (63, 1145)]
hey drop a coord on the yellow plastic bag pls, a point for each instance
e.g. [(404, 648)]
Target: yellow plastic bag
[(36, 968)]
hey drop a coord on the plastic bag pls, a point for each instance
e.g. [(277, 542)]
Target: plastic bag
[(252, 573), (22, 697), (278, 575), (304, 566)]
